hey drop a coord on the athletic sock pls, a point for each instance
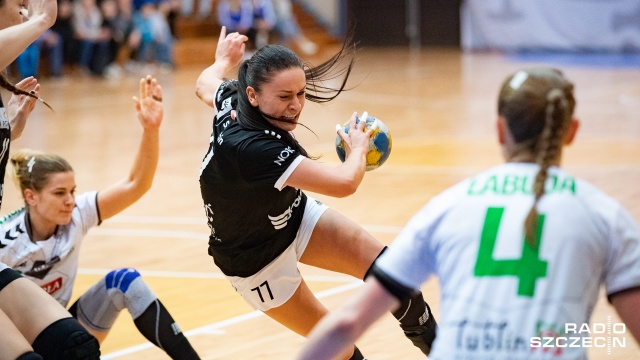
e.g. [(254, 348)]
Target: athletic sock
[(417, 322), (157, 325)]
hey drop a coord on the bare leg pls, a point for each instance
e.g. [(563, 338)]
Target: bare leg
[(301, 312), (339, 244), (12, 343), (30, 308)]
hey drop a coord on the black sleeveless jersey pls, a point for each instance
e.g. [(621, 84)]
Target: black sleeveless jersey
[(5, 141), (251, 220)]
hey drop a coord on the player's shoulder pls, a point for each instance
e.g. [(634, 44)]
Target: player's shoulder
[(226, 88), (261, 139), (13, 217), (86, 201)]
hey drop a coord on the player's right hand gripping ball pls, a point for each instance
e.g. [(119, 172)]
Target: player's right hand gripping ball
[(379, 143)]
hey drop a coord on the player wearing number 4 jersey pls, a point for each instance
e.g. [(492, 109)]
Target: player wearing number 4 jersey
[(519, 250)]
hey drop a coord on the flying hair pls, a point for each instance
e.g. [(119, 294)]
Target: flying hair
[(272, 59), (5, 83)]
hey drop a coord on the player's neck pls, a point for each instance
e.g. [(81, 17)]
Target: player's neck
[(39, 229)]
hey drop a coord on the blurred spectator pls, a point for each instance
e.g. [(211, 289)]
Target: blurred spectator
[(264, 19), (48, 44), (288, 28), (64, 27), (235, 15), (93, 37), (204, 8), (171, 9), (151, 35), (254, 18), (109, 11)]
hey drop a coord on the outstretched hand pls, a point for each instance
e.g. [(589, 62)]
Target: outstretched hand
[(358, 136), (230, 47), (48, 9), (20, 106), (149, 105)]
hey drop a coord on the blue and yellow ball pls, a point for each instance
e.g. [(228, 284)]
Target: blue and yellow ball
[(379, 143)]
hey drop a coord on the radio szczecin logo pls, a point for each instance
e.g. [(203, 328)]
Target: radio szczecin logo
[(597, 335)]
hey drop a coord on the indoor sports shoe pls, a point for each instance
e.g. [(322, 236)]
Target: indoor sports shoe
[(422, 336)]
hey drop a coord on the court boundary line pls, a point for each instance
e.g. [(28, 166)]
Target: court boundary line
[(211, 328)]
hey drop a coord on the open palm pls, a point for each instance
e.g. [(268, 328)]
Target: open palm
[(149, 105)]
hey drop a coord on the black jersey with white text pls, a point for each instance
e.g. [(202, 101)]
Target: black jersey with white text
[(5, 141), (253, 218)]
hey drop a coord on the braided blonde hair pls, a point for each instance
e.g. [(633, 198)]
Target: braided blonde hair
[(537, 105)]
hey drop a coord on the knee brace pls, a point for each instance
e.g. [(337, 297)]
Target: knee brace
[(66, 339), (7, 276), (374, 261), (29, 356), (127, 289), (99, 307)]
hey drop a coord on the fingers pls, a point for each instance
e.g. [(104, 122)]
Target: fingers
[(157, 96), (26, 83), (363, 121), (360, 125), (149, 88), (352, 120), (143, 88), (223, 35)]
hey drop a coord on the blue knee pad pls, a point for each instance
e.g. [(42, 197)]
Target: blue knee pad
[(128, 290), (120, 289)]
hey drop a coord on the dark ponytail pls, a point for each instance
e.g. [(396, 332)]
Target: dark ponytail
[(271, 59), (5, 83)]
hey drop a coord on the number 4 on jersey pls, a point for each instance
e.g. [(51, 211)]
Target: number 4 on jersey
[(528, 268)]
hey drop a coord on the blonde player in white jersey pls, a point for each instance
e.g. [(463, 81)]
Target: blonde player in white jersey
[(520, 250), (29, 318), (42, 240)]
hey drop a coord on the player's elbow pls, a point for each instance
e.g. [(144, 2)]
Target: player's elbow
[(204, 95)]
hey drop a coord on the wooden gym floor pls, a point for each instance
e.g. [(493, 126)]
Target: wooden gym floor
[(440, 108)]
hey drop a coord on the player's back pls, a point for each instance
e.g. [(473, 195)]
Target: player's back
[(501, 297)]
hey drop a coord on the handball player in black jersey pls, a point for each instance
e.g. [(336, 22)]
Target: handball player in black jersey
[(253, 179)]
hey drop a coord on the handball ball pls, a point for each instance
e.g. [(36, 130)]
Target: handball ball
[(379, 143)]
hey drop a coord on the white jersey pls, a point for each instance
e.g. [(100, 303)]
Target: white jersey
[(51, 263), (499, 298)]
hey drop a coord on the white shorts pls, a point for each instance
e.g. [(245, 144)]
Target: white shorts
[(274, 284)]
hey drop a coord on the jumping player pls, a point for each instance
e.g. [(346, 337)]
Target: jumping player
[(252, 181), (520, 250)]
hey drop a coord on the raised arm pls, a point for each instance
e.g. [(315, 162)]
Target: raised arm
[(125, 192), (229, 53), (14, 39), (341, 180)]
